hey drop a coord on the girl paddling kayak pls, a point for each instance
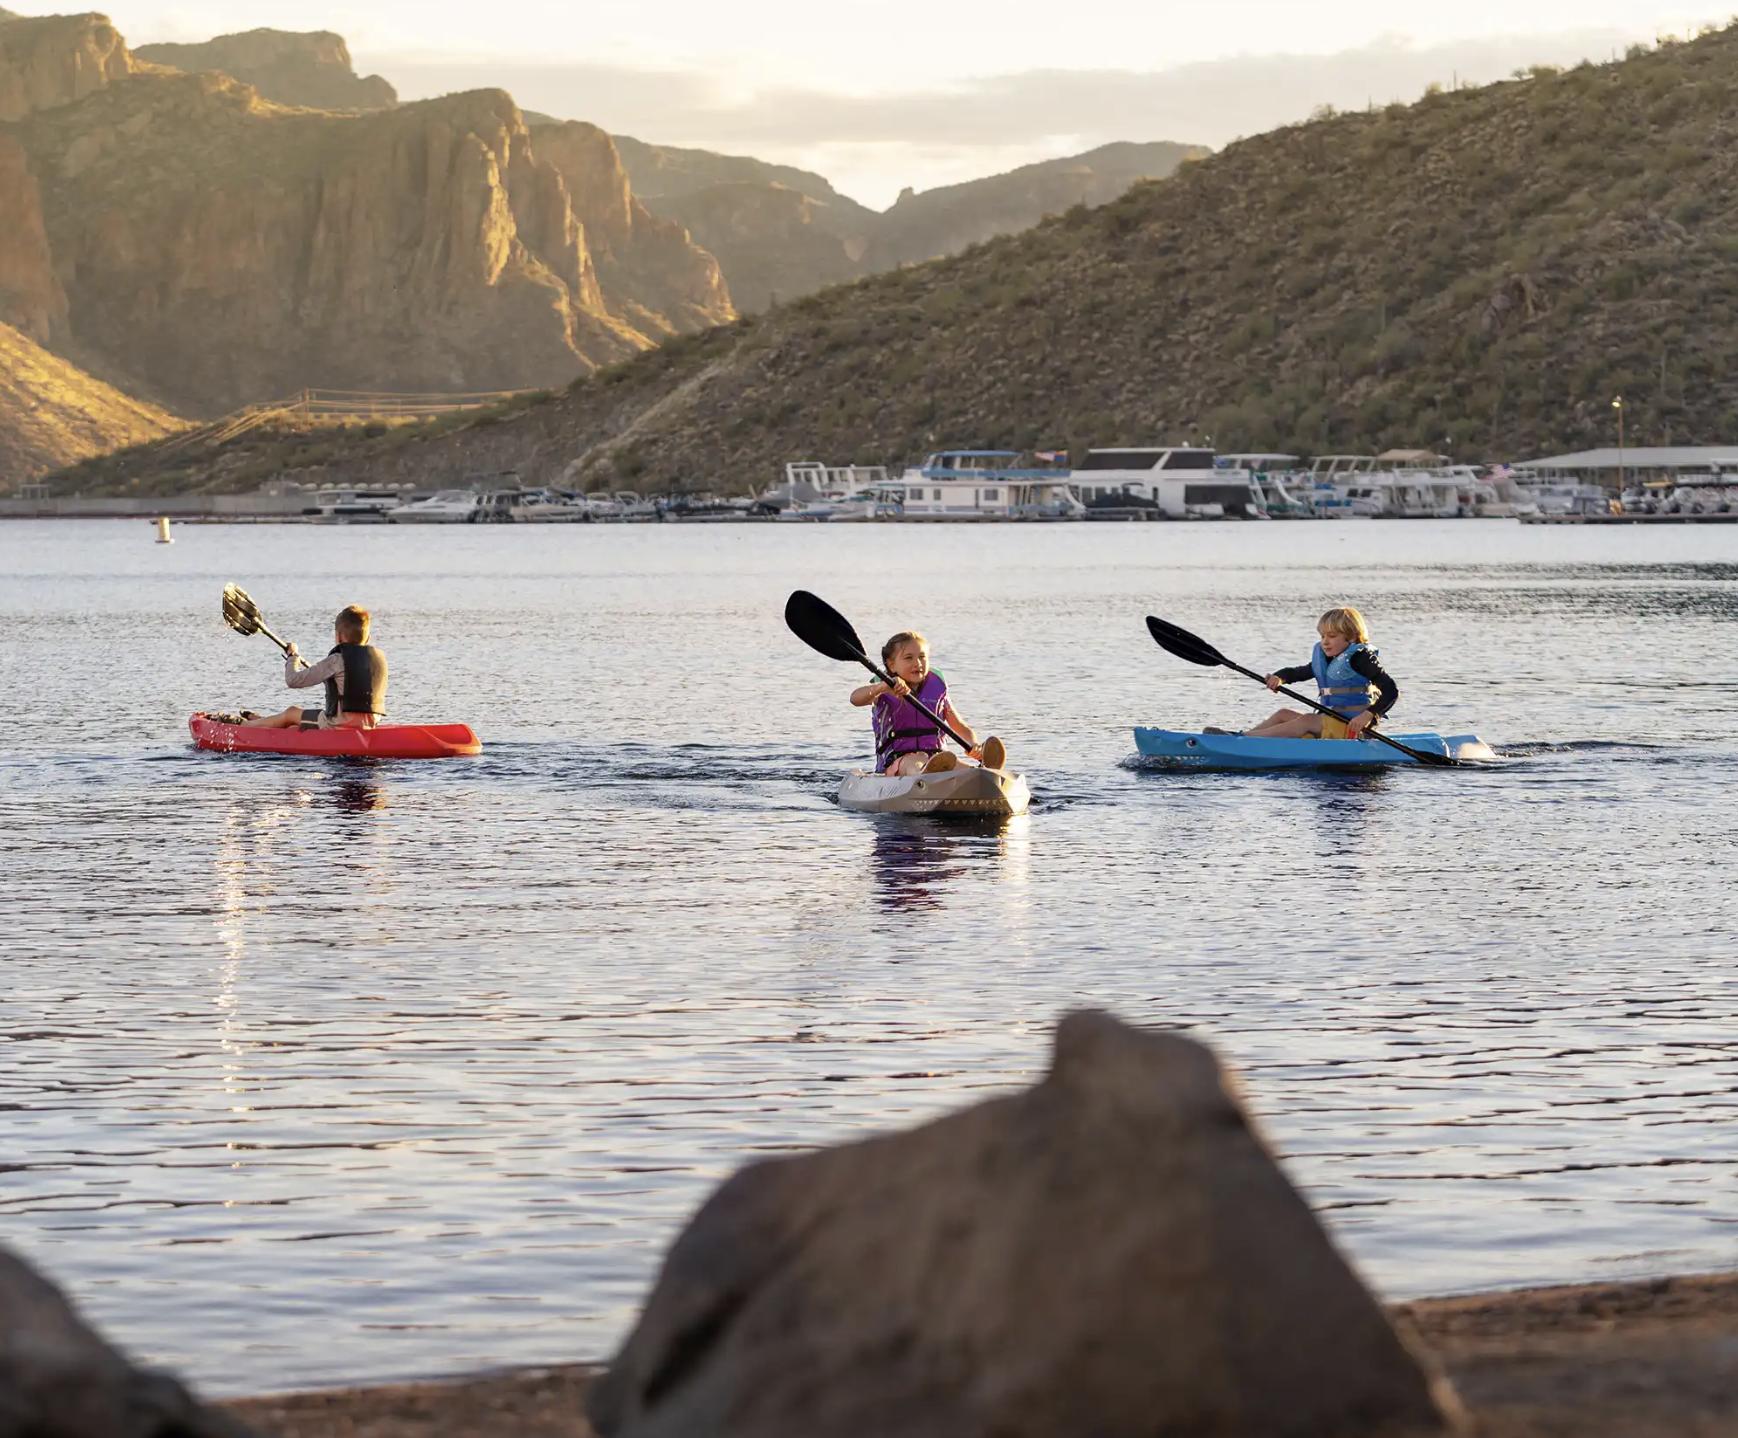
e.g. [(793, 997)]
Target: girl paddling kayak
[(1350, 678), (906, 741)]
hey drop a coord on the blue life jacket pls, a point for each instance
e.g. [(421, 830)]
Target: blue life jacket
[(1343, 689), (900, 727)]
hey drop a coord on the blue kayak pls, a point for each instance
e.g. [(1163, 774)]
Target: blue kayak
[(1235, 751)]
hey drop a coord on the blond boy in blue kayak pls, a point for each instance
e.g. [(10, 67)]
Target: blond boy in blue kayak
[(1350, 679), (354, 673)]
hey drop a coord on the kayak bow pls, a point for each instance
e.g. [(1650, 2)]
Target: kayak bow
[(1239, 751), (966, 792), (388, 741)]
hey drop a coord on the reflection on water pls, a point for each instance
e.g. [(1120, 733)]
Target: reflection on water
[(357, 796), (319, 1070), (913, 858)]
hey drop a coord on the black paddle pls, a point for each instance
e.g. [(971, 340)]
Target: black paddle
[(242, 615), (822, 627), (1198, 651)]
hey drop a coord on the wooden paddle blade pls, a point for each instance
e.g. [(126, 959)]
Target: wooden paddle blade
[(240, 613), (822, 627), (1184, 644)]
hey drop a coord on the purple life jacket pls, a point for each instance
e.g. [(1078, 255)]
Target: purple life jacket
[(900, 727)]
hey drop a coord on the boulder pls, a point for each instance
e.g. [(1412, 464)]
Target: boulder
[(59, 1379), (1112, 1252)]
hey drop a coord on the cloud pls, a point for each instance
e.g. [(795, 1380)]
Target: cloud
[(973, 127)]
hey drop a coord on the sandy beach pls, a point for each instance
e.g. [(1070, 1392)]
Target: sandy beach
[(1606, 1360)]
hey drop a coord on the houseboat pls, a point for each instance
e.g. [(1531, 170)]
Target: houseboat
[(1181, 483), (977, 484)]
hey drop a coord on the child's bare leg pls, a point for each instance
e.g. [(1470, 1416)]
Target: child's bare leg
[(907, 764), (289, 719), (1287, 724)]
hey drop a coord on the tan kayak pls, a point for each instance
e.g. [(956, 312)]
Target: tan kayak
[(966, 792)]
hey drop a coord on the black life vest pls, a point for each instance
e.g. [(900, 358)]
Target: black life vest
[(364, 681)]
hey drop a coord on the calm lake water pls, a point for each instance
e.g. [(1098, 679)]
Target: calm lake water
[(316, 1071)]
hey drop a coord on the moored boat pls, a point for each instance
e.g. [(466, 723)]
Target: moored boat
[(386, 741), (1239, 751), (448, 506), (968, 791), (1183, 482)]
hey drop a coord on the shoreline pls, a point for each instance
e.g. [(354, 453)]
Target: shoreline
[(1649, 1358)]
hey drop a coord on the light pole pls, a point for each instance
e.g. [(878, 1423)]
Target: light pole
[(1617, 404)]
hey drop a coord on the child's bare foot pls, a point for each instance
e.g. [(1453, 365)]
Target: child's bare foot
[(993, 753), (941, 762)]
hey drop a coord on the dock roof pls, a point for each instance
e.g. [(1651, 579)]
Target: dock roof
[(1689, 456)]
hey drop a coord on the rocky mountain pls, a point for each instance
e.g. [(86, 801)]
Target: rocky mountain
[(945, 221), (311, 69), (774, 244), (54, 59), (662, 282), (659, 171), (53, 414), (1486, 266), (781, 233), (189, 240)]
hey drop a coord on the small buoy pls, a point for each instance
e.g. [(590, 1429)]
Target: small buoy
[(163, 535)]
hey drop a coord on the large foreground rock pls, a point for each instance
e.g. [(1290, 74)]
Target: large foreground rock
[(58, 1379), (1111, 1253)]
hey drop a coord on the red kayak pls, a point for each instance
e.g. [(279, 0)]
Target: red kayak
[(389, 741)]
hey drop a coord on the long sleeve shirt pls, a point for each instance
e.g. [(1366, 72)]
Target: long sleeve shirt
[(331, 667), (1367, 666)]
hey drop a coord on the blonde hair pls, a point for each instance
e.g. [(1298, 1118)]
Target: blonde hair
[(905, 636), (1347, 623), (353, 623)]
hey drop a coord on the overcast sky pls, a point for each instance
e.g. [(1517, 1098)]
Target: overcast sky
[(914, 92)]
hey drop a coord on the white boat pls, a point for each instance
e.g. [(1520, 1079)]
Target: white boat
[(809, 481), (1555, 496), (864, 504), (981, 484), (448, 506), (1184, 483), (969, 791), (1282, 490), (1710, 491), (547, 506), (630, 504), (1401, 484)]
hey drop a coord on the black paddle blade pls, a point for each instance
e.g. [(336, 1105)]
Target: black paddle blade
[(240, 613), (822, 627), (1184, 644)]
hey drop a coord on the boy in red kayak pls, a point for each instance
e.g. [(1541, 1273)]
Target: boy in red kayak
[(906, 741), (1350, 678), (354, 673)]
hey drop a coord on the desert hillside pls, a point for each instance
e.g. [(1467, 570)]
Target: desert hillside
[(311, 69), (53, 414)]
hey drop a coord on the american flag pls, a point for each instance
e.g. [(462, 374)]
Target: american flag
[(1052, 456)]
